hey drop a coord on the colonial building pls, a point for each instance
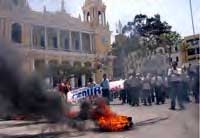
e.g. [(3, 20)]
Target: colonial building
[(56, 37)]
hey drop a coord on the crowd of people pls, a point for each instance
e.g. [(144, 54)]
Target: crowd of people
[(178, 84)]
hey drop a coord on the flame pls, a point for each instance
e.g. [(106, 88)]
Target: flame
[(109, 121), (114, 123), (105, 118)]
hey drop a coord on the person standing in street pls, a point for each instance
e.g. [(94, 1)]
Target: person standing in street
[(159, 90), (174, 74), (105, 88), (134, 83), (185, 85), (124, 92), (146, 92), (129, 99)]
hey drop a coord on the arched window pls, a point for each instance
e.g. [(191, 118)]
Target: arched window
[(100, 18), (88, 17), (16, 33)]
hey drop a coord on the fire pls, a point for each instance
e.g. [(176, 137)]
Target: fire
[(109, 121), (105, 119), (115, 123)]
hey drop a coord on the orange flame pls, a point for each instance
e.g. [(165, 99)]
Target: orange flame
[(109, 121)]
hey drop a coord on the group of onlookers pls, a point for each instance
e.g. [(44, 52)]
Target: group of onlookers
[(177, 84)]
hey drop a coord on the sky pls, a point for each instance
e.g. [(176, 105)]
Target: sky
[(175, 12)]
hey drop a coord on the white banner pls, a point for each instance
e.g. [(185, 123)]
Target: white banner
[(76, 95)]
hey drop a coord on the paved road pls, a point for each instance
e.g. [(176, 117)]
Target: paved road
[(177, 124)]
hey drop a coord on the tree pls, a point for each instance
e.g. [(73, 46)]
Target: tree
[(149, 28), (144, 35)]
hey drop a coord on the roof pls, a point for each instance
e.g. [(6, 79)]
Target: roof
[(58, 20)]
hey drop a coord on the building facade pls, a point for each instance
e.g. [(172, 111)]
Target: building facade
[(190, 50), (58, 38)]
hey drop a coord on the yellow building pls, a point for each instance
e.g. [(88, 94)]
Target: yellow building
[(46, 37), (190, 49)]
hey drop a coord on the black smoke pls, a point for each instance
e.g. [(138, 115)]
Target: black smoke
[(25, 94)]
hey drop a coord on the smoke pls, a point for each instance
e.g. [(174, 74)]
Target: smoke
[(21, 93)]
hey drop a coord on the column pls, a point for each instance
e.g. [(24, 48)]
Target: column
[(84, 15), (93, 76), (91, 49), (31, 40), (33, 65), (83, 81), (46, 38), (81, 42), (70, 40), (58, 38), (72, 82), (93, 43), (104, 18)]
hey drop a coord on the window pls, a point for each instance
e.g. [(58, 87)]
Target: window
[(42, 42), (75, 41), (191, 52), (38, 35), (52, 38), (88, 17), (66, 43), (55, 44), (86, 42), (16, 33), (100, 18), (177, 59), (198, 50), (77, 45), (64, 38)]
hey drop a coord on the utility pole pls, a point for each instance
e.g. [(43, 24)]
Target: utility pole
[(192, 17)]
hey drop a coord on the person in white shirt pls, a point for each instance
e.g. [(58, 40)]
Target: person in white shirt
[(174, 74), (105, 88)]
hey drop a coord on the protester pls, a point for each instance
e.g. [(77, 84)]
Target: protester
[(166, 87), (185, 85), (124, 92), (67, 87), (158, 85), (128, 90), (134, 84), (175, 82), (146, 90), (105, 88), (91, 83)]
